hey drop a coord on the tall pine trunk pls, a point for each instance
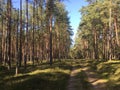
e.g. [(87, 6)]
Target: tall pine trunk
[(9, 33), (20, 55), (50, 42), (110, 33), (17, 57), (33, 48)]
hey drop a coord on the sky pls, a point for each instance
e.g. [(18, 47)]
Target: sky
[(73, 7)]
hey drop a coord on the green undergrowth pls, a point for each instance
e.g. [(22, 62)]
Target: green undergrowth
[(55, 77), (41, 77), (109, 70)]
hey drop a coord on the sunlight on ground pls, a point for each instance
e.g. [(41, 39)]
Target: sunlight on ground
[(100, 81), (75, 72), (57, 76), (49, 71)]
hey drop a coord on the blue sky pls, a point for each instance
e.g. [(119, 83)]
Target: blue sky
[(73, 7)]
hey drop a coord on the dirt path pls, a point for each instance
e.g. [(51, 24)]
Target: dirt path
[(73, 81), (97, 84), (92, 78)]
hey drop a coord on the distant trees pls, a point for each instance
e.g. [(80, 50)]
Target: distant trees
[(98, 34), (38, 31)]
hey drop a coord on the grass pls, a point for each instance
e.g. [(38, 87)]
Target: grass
[(46, 77), (42, 77), (109, 70)]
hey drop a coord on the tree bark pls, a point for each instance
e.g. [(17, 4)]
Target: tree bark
[(17, 57), (20, 55), (50, 29), (9, 32)]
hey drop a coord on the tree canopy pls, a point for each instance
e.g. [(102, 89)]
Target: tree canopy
[(98, 34)]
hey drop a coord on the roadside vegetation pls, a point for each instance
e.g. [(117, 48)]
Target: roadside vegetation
[(111, 71), (108, 70), (56, 77), (43, 77)]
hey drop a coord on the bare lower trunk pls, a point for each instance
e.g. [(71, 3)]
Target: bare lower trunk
[(50, 28)]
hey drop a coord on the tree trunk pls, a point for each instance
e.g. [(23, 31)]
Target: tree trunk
[(110, 33), (17, 58), (26, 38), (116, 30), (9, 32), (2, 49), (95, 45), (20, 55), (50, 29), (33, 31)]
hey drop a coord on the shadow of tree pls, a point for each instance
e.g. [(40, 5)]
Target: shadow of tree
[(109, 70), (41, 81)]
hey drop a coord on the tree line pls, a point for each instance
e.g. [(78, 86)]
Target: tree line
[(98, 35), (35, 31)]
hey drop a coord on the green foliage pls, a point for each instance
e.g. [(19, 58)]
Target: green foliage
[(75, 53), (97, 32)]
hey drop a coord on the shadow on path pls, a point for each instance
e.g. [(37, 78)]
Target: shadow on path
[(94, 80), (78, 80), (83, 77)]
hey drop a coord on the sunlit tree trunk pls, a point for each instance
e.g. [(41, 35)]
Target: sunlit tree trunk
[(110, 33), (116, 29), (43, 43), (9, 32), (95, 46), (50, 18), (17, 56)]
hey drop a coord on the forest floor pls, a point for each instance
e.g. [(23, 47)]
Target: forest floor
[(93, 78), (73, 81), (78, 78), (70, 74), (37, 77), (89, 78)]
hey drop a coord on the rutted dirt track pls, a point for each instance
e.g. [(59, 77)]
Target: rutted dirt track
[(92, 77), (72, 84), (97, 84)]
